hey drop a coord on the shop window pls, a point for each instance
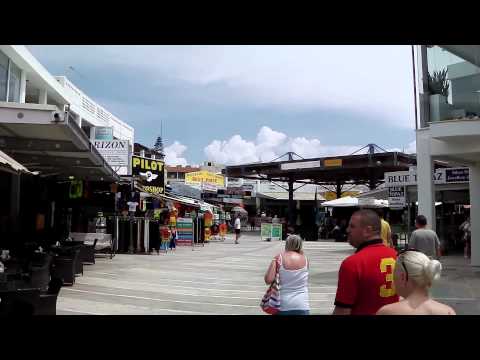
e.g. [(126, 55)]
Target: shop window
[(3, 76), (14, 83)]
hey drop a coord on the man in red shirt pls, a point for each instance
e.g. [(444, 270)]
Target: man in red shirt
[(365, 279)]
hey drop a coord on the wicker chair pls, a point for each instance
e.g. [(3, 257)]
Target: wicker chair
[(19, 302), (48, 302), (65, 267), (87, 253)]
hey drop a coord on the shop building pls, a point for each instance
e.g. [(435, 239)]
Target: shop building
[(447, 83)]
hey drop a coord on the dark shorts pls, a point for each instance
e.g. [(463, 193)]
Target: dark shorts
[(294, 312), (237, 231)]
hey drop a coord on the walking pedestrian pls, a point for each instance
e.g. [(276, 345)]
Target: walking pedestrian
[(467, 236), (386, 232), (238, 227), (173, 238), (414, 275), (365, 279), (292, 266), (424, 240)]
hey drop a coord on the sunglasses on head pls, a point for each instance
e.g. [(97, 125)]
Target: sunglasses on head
[(403, 264)]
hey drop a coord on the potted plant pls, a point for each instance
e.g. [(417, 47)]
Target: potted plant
[(438, 87)]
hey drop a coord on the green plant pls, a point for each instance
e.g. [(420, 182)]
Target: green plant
[(438, 83)]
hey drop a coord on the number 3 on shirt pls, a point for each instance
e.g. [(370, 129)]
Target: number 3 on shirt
[(390, 291)]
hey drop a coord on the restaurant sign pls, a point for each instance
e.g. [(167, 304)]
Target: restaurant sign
[(150, 173)]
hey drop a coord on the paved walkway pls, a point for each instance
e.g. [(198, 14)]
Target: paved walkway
[(224, 278)]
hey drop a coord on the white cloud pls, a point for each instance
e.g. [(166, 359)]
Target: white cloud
[(173, 154), (373, 81), (269, 144), (412, 147)]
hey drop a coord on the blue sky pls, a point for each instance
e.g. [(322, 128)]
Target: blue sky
[(234, 104)]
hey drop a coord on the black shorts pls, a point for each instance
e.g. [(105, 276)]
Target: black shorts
[(237, 231)]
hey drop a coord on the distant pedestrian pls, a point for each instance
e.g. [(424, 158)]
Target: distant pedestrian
[(386, 232), (238, 227), (252, 223), (425, 240), (467, 237), (173, 238), (365, 279), (292, 267), (414, 275)]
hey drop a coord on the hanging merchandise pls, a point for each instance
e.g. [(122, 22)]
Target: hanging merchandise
[(76, 189), (114, 188), (208, 218), (208, 233)]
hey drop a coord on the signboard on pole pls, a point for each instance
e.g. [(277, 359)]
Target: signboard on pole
[(270, 231), (265, 231), (116, 153), (396, 197), (151, 174), (276, 231)]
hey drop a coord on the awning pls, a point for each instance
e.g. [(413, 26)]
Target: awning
[(10, 165), (301, 196), (53, 146)]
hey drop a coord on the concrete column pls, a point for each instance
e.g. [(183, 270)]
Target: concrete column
[(425, 189), (42, 97), (475, 213), (79, 120), (15, 202), (23, 86)]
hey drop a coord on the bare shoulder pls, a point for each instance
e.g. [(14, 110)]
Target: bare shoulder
[(390, 309), (443, 309)]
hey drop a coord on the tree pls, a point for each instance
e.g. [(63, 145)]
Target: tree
[(158, 145)]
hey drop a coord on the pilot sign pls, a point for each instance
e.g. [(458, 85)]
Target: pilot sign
[(150, 173)]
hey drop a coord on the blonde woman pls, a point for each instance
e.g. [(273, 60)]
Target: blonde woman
[(414, 274), (293, 271)]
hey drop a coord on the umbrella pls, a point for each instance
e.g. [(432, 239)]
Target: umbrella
[(239, 209), (349, 201)]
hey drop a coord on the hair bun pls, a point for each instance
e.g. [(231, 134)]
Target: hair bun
[(432, 270)]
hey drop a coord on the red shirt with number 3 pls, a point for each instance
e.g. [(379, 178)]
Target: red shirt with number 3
[(365, 279)]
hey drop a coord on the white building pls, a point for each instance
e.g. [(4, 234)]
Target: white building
[(45, 121), (448, 123)]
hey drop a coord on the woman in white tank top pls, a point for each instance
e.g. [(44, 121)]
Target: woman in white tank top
[(293, 271)]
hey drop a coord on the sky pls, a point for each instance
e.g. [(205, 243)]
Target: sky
[(241, 104)]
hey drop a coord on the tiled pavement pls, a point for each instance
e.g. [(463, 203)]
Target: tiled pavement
[(224, 278)]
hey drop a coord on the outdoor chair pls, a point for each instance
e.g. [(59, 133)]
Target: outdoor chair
[(40, 275), (48, 302), (19, 302), (87, 253), (65, 267)]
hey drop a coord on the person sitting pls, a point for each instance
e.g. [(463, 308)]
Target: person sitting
[(414, 274)]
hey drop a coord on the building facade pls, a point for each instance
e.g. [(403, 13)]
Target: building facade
[(447, 99)]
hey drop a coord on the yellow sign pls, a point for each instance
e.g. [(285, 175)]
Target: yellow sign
[(332, 195), (332, 162), (199, 177)]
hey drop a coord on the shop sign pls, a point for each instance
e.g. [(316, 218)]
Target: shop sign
[(116, 154), (209, 187), (232, 201), (184, 231), (300, 165), (199, 177), (332, 162), (440, 176), (396, 197), (150, 173), (102, 133)]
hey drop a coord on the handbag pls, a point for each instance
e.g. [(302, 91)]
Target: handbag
[(271, 300)]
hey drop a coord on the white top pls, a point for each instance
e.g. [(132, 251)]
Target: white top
[(238, 225), (132, 206), (294, 288)]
